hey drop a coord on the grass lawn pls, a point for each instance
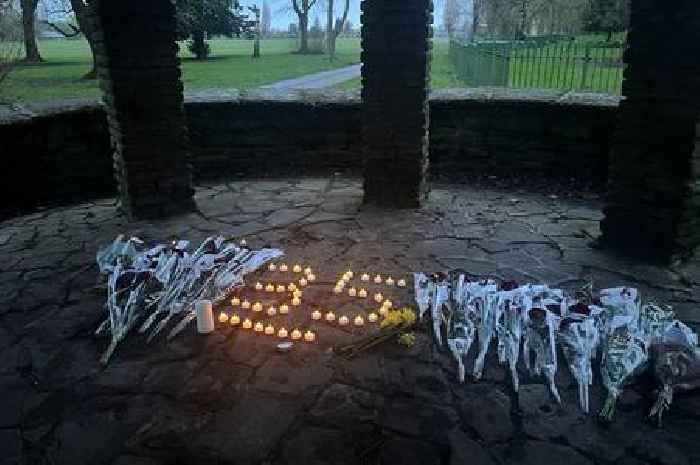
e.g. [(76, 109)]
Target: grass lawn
[(230, 65)]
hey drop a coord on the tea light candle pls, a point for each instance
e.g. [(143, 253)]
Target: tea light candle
[(235, 319), (291, 287), (259, 328), (378, 279), (247, 324), (296, 301), (235, 302), (401, 283), (258, 286), (245, 304), (345, 278), (364, 277), (359, 321), (309, 336), (378, 297), (338, 290), (389, 281), (270, 287), (311, 277), (384, 311), (330, 317), (362, 293), (284, 309), (340, 284), (388, 303), (272, 267), (282, 333), (343, 320), (257, 307), (303, 282), (352, 292), (298, 294), (280, 288), (316, 315), (372, 317), (297, 268), (272, 311), (223, 318), (296, 334), (283, 267), (269, 330), (350, 274), (308, 271)]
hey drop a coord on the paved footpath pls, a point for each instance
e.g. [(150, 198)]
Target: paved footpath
[(318, 80)]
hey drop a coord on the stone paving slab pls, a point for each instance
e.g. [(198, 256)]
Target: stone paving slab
[(231, 398)]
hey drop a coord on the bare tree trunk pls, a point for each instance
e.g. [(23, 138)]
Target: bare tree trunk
[(475, 18), (28, 24), (88, 29), (330, 33), (304, 32)]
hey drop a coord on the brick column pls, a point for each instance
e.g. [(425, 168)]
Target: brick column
[(395, 72), (654, 198), (139, 74)]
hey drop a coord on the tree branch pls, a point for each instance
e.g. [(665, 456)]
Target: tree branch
[(343, 19), (76, 31), (295, 5)]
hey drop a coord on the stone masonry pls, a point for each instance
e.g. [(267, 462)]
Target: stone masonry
[(395, 64), (140, 78), (654, 204)]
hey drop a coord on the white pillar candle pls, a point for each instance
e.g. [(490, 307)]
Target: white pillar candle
[(282, 333), (364, 277), (343, 320), (296, 334), (378, 297), (309, 336), (223, 318), (297, 268), (258, 286), (362, 293), (389, 281), (270, 287), (247, 324), (272, 311), (372, 317), (205, 316), (316, 315), (401, 283), (259, 328), (270, 330), (352, 292), (235, 320), (330, 317), (257, 307), (235, 302), (283, 267), (284, 309), (378, 279), (359, 321), (245, 304), (272, 267)]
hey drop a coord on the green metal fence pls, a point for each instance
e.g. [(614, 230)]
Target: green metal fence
[(545, 64)]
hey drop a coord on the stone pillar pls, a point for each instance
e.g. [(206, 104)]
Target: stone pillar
[(395, 83), (654, 198), (139, 74)]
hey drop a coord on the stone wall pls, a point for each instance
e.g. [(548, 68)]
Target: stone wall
[(54, 153)]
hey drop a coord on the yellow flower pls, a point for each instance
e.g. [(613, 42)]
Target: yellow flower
[(404, 317), (407, 339)]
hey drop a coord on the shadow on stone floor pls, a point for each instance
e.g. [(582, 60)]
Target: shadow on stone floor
[(230, 398)]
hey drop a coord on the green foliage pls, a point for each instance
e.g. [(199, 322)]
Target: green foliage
[(198, 20), (606, 16)]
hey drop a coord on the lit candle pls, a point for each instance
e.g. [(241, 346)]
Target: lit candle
[(296, 334), (401, 283), (282, 333), (383, 311), (291, 287), (378, 297), (235, 319), (284, 309), (235, 301), (345, 278), (340, 284), (245, 304), (303, 282), (350, 274), (270, 287), (247, 324), (338, 290), (364, 277), (362, 293), (283, 267), (352, 292), (272, 311), (389, 281), (378, 279), (297, 268), (359, 321), (316, 315), (257, 307), (388, 303), (298, 294), (259, 328), (311, 277), (343, 320), (223, 318), (272, 267), (372, 317), (280, 288), (309, 336), (308, 271), (270, 330), (296, 301), (330, 317), (258, 286)]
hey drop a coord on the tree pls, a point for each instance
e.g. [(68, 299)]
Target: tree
[(31, 49), (332, 32), (10, 37), (302, 9), (266, 26), (79, 16), (478, 11), (257, 30), (607, 16), (198, 20)]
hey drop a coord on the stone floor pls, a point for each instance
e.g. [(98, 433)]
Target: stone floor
[(230, 398)]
